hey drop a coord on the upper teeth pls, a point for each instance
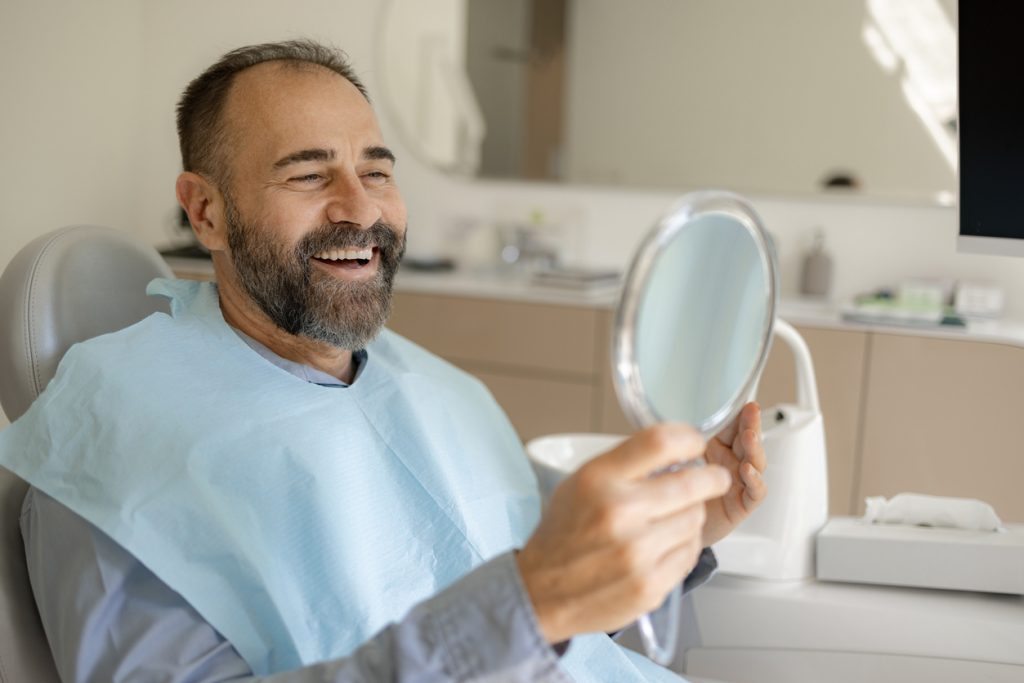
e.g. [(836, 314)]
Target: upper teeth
[(339, 254)]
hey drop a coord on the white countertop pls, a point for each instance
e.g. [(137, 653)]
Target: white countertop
[(494, 285), (800, 312), (828, 315)]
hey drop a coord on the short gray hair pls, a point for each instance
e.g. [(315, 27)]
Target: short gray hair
[(201, 132)]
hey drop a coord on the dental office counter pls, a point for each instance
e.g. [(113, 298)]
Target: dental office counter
[(799, 312), (930, 410)]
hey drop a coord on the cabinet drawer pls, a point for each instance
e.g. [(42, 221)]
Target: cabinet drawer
[(942, 418), (548, 338), (539, 406)]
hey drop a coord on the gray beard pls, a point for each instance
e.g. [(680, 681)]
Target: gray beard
[(304, 301)]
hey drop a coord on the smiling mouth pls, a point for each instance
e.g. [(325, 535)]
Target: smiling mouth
[(347, 259)]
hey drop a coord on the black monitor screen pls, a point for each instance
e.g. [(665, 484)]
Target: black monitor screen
[(991, 119)]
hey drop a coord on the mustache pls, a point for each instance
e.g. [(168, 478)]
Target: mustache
[(331, 236)]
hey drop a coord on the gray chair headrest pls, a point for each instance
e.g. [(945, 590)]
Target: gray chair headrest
[(62, 288)]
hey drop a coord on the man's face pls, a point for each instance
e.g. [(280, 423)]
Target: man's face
[(315, 223)]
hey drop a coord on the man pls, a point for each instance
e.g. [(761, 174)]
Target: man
[(259, 490)]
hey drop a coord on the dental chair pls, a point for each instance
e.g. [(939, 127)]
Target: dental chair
[(64, 287)]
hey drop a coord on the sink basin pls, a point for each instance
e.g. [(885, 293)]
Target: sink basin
[(555, 457)]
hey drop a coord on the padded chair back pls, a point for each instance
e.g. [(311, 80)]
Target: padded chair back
[(64, 287)]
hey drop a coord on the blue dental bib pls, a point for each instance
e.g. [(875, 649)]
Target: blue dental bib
[(297, 519)]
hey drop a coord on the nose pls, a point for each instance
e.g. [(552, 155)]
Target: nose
[(350, 203)]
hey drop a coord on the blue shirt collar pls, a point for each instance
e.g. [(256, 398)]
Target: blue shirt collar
[(304, 372)]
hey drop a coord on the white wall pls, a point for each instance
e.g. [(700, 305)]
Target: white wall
[(872, 244), (70, 85)]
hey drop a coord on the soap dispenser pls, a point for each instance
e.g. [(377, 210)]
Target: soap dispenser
[(816, 275)]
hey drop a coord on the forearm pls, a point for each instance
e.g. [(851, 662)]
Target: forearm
[(110, 619), (480, 628)]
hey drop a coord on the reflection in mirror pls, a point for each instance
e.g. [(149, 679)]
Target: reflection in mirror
[(782, 97), (701, 325), (694, 323)]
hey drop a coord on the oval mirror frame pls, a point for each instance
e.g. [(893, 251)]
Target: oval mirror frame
[(629, 387)]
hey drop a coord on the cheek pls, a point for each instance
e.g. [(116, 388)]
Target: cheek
[(394, 214), (399, 224), (290, 221)]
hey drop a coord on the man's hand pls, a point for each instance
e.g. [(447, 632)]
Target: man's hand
[(737, 448), (614, 540)]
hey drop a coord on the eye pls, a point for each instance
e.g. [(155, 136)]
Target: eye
[(309, 178), (377, 176)]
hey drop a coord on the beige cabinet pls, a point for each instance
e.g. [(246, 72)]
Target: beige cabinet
[(943, 417), (906, 412), (541, 361)]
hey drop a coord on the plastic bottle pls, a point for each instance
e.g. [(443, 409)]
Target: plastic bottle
[(816, 275)]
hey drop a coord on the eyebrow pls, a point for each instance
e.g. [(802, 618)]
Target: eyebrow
[(305, 155), (377, 152), (320, 154)]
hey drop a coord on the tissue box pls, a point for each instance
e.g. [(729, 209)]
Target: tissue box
[(851, 550)]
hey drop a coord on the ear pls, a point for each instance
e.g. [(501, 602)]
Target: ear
[(204, 204)]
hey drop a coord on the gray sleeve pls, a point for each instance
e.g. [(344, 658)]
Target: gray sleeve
[(108, 618), (705, 568)]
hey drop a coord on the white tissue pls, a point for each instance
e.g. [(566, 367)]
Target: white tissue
[(918, 509)]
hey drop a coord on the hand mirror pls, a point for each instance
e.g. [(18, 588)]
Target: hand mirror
[(692, 333)]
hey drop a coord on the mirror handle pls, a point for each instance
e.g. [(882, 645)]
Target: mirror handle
[(661, 649)]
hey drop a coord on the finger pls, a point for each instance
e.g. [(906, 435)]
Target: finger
[(643, 552), (754, 489), (753, 449), (677, 564), (749, 420), (650, 450), (683, 526), (749, 417), (719, 453), (667, 573), (674, 492), (727, 435), (746, 448)]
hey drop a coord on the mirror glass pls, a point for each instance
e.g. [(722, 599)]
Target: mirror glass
[(793, 97), (695, 320)]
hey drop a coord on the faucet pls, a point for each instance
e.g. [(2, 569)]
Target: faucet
[(523, 247)]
